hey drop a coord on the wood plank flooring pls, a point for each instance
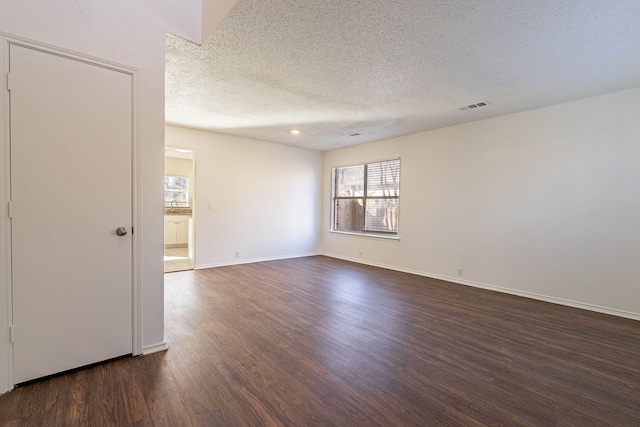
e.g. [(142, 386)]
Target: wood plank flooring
[(322, 342)]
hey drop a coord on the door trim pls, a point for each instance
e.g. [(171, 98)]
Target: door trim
[(6, 296)]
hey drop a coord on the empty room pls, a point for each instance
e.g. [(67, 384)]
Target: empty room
[(414, 213)]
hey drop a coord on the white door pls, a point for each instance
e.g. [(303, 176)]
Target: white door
[(71, 188)]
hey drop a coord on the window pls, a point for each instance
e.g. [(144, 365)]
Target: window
[(365, 198), (176, 190)]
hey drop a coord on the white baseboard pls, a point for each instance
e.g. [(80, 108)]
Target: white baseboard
[(155, 348), (250, 261), (546, 298)]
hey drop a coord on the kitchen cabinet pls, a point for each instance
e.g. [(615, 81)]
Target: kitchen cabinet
[(176, 230)]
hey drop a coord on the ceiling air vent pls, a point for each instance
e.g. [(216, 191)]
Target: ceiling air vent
[(476, 105)]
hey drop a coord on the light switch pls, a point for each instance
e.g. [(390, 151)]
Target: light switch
[(210, 206)]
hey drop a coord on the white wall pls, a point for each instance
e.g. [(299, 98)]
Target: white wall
[(130, 33), (544, 203), (265, 198), (178, 167)]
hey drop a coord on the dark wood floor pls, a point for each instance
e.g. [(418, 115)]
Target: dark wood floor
[(321, 342)]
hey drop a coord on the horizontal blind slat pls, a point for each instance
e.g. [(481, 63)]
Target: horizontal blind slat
[(383, 178)]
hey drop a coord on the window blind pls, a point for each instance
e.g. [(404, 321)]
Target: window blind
[(366, 197)]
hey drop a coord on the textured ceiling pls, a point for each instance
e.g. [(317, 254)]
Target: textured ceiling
[(380, 68)]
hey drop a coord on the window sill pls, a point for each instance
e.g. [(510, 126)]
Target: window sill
[(374, 235)]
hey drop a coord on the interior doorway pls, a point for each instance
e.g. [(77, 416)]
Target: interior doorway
[(179, 199), (71, 212)]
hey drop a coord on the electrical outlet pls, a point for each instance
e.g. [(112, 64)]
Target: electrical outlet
[(360, 254), (237, 254), (460, 271)]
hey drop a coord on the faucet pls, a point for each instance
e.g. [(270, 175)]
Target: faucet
[(172, 202)]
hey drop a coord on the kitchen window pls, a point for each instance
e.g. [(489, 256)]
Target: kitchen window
[(366, 198), (176, 191)]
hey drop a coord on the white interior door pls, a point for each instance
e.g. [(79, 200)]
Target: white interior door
[(71, 188)]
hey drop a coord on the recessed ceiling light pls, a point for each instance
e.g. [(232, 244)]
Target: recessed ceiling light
[(295, 131)]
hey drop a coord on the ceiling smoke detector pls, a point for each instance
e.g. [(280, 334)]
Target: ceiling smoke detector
[(476, 105)]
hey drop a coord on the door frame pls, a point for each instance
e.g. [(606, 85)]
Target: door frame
[(192, 190), (6, 296)]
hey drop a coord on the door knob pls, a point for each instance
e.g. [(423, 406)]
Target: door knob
[(121, 231)]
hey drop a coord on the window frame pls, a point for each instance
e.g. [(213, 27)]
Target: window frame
[(185, 191), (364, 197)]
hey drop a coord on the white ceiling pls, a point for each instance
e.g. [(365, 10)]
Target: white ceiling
[(380, 68)]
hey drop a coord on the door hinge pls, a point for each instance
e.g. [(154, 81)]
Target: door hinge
[(8, 81), (10, 209), (11, 334)]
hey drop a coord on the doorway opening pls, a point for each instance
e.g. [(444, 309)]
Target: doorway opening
[(179, 199)]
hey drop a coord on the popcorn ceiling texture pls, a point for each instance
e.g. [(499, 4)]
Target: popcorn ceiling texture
[(380, 68)]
